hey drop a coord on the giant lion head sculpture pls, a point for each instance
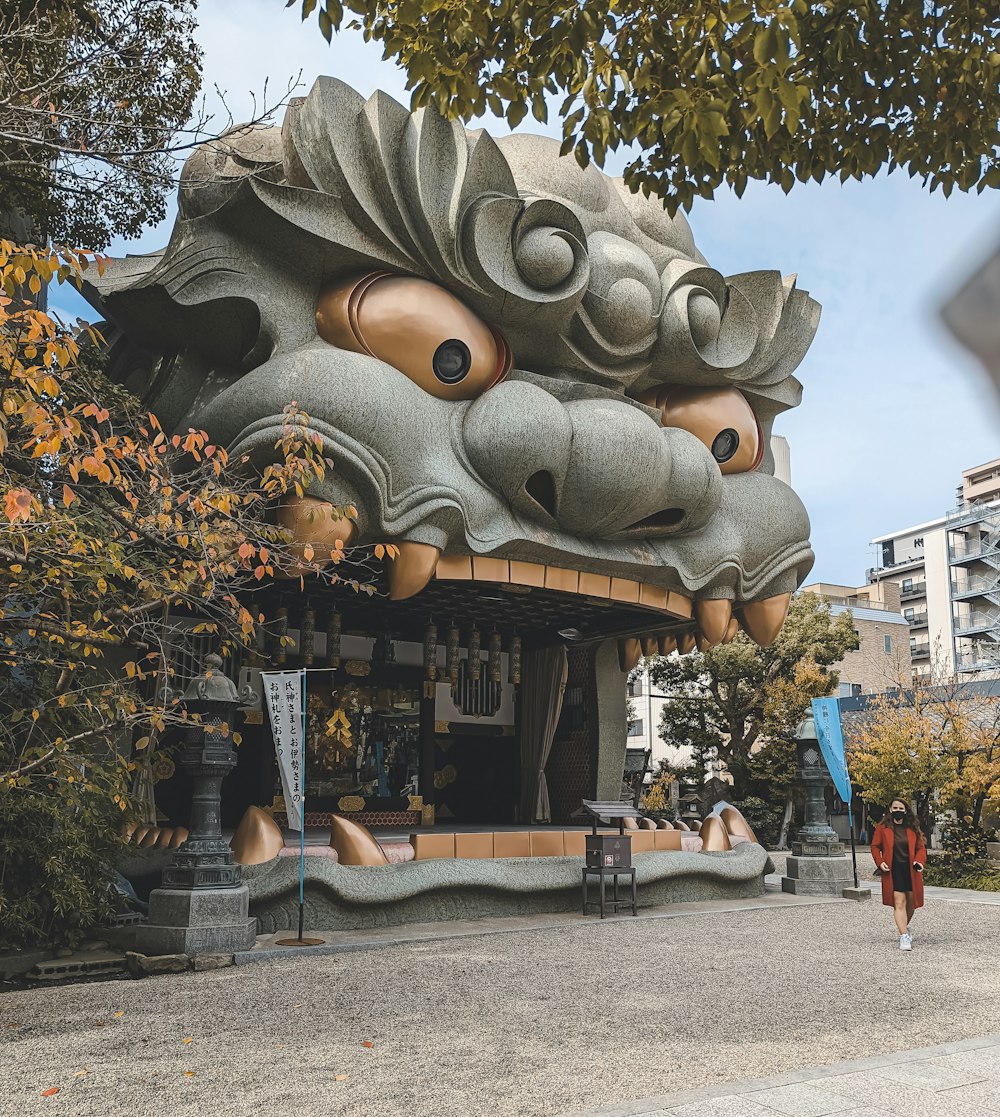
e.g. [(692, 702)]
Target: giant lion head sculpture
[(509, 358)]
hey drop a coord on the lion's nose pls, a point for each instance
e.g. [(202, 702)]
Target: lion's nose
[(595, 468)]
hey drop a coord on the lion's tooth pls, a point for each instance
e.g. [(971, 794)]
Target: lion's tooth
[(667, 645), (702, 642), (650, 645), (313, 523), (731, 629), (629, 653), (762, 620), (713, 615), (686, 642), (411, 569)]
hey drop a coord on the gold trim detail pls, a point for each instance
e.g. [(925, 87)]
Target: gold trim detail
[(351, 804), (561, 579)]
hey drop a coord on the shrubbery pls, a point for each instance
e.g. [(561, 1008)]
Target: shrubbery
[(983, 876), (764, 819), (962, 861)]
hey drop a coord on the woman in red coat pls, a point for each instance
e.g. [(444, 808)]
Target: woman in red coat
[(900, 856)]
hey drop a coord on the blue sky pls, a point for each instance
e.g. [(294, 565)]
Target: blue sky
[(892, 411)]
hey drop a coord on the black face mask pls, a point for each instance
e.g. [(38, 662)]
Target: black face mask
[(898, 816)]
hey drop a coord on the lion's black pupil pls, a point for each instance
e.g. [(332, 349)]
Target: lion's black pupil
[(452, 360), (726, 444)]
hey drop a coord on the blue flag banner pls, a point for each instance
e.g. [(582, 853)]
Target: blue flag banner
[(826, 711)]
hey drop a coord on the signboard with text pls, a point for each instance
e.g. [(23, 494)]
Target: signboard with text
[(283, 696)]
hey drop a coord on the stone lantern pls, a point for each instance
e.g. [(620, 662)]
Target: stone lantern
[(818, 865), (202, 904)]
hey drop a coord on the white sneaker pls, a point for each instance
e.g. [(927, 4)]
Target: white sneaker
[(905, 942)]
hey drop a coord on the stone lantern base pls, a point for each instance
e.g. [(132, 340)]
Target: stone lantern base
[(817, 876), (197, 921)]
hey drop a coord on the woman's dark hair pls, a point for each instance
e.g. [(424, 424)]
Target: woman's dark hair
[(909, 818)]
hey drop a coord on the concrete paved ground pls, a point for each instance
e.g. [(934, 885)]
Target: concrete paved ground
[(960, 1079), (569, 1016)]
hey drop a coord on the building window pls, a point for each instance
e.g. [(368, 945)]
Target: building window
[(887, 643), (907, 583), (908, 613), (635, 687), (635, 728)]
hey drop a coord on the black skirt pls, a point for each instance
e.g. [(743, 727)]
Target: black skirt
[(902, 876)]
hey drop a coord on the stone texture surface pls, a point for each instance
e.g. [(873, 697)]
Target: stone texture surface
[(347, 896), (142, 965), (817, 876), (197, 921), (598, 293)]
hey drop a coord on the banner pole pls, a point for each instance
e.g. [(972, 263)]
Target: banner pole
[(854, 851), (302, 828)]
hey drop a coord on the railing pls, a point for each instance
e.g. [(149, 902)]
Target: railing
[(918, 589), (977, 620), (969, 550), (973, 512), (920, 651), (974, 585), (978, 661), (918, 620), (856, 603)]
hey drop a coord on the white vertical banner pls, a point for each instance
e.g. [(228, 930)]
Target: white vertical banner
[(283, 695)]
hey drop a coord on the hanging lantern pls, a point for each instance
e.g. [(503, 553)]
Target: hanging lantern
[(453, 654), (494, 665), (280, 630), (473, 666), (430, 651), (333, 640), (307, 637), (514, 660)]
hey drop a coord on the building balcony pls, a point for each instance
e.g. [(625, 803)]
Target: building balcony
[(920, 651), (918, 589), (973, 552), (976, 622), (918, 620), (978, 660), (974, 586)]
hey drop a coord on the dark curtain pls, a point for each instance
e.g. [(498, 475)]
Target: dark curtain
[(542, 687)]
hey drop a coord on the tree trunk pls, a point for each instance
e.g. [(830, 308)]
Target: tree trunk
[(977, 810), (786, 820)]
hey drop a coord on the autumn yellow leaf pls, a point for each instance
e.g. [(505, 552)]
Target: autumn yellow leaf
[(188, 1039), (68, 496), (17, 505), (339, 1077), (119, 1014)]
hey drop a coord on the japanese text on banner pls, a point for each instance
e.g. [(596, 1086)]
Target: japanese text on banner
[(283, 694), (830, 734)]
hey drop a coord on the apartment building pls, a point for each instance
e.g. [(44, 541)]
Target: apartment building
[(882, 658), (948, 574)]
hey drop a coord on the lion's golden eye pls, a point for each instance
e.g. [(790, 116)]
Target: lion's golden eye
[(418, 328), (721, 417)]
